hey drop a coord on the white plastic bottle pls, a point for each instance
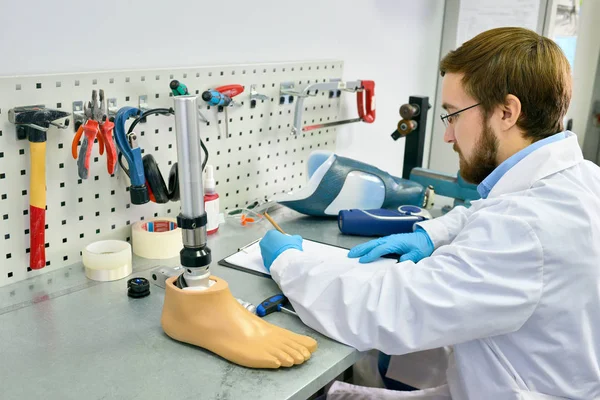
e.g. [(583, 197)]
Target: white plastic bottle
[(211, 201)]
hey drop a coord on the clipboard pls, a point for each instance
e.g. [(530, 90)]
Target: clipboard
[(249, 259)]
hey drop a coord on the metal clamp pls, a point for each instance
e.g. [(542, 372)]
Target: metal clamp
[(143, 103), (334, 87), (112, 107), (254, 95), (78, 114)]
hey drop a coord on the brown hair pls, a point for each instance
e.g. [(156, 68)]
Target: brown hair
[(516, 61)]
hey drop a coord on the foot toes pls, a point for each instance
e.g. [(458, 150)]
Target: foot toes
[(299, 348), (293, 352), (309, 343), (284, 358), (263, 360), (306, 341)]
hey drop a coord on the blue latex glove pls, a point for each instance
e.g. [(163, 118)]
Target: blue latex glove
[(274, 243), (412, 246)]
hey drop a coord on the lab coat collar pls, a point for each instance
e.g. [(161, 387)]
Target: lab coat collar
[(545, 161)]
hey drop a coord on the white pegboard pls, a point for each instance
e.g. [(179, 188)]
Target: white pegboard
[(259, 157)]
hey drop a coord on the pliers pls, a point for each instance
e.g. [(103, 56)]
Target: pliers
[(97, 125)]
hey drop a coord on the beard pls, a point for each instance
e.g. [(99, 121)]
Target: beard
[(483, 159)]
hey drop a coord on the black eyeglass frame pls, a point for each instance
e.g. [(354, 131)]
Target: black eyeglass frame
[(446, 121)]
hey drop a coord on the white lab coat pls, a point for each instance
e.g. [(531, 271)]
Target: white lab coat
[(513, 286)]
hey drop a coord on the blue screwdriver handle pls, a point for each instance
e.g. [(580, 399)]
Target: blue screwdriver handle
[(270, 305), (215, 98)]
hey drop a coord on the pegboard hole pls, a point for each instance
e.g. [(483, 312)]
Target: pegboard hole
[(127, 79), (143, 78), (18, 86), (76, 82)]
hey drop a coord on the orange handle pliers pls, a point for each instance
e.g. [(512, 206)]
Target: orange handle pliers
[(97, 126)]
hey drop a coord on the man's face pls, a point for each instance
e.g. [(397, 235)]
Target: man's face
[(472, 137)]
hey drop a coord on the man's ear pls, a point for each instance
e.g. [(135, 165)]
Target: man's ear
[(510, 112)]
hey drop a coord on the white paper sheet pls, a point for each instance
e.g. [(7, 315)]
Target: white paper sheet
[(250, 257), (476, 16)]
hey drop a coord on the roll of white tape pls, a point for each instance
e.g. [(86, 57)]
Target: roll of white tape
[(158, 238), (107, 260)]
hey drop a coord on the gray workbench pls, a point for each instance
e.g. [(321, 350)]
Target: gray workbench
[(63, 336)]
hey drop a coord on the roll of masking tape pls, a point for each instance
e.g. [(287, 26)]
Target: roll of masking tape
[(107, 260), (158, 238)]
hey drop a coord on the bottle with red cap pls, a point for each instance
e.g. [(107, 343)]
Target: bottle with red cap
[(211, 201)]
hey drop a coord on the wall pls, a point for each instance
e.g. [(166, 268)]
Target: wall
[(394, 42)]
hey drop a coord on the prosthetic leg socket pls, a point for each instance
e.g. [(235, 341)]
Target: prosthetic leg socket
[(214, 320)]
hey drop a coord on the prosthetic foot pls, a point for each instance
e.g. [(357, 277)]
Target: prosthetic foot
[(214, 320)]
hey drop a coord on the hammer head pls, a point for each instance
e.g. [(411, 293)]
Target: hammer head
[(35, 119)]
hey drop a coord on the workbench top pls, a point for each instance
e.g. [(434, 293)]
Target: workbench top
[(66, 337)]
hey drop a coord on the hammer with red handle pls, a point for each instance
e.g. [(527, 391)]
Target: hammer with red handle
[(32, 123)]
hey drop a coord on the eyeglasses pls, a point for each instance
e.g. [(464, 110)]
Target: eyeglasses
[(449, 118)]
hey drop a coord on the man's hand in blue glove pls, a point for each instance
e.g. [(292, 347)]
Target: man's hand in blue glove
[(412, 246), (274, 243)]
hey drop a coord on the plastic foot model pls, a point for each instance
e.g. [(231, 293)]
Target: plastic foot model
[(214, 320)]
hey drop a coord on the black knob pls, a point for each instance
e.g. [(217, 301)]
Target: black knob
[(138, 287)]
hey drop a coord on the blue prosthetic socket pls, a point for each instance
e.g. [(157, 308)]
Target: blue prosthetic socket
[(339, 183)]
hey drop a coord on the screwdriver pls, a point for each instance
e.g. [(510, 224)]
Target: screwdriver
[(272, 304), (178, 88), (215, 98)]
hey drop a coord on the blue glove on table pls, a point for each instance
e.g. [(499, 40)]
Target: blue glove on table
[(274, 243), (412, 246)]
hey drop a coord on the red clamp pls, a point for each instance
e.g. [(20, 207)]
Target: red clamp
[(368, 92)]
